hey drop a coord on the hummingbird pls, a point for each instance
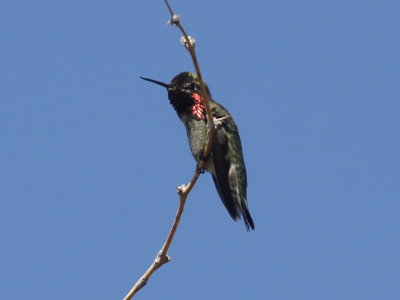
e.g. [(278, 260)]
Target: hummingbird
[(225, 162)]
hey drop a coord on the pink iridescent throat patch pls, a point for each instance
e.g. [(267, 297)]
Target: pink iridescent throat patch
[(198, 109)]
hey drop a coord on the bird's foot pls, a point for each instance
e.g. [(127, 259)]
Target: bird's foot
[(199, 170)]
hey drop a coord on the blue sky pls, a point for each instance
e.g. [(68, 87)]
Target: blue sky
[(91, 155)]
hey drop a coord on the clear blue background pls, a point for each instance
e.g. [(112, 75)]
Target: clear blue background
[(90, 155)]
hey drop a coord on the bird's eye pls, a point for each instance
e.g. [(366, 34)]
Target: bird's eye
[(193, 86)]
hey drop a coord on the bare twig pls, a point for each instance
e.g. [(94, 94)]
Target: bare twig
[(183, 191), (175, 21), (162, 257)]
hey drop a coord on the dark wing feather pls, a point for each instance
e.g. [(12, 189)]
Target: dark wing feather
[(229, 172), (221, 175)]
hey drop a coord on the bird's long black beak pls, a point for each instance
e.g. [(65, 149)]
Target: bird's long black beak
[(156, 82)]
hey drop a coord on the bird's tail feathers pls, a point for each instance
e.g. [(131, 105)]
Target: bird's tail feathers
[(248, 220)]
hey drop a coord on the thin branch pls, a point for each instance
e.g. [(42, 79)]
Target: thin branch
[(189, 45), (183, 191), (175, 21), (162, 257)]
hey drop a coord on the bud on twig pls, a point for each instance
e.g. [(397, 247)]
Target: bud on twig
[(192, 41), (174, 21)]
